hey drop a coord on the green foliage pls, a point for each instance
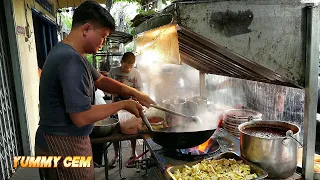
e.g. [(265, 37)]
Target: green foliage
[(140, 1), (129, 47), (145, 13), (89, 57), (67, 20), (165, 2), (130, 1), (129, 29)]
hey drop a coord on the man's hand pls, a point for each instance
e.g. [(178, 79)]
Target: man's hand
[(143, 99), (132, 106)]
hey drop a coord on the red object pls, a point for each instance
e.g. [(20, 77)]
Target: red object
[(132, 160), (39, 72), (220, 124), (155, 120), (204, 147)]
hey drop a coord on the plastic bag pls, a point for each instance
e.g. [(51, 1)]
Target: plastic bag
[(99, 97), (129, 123)]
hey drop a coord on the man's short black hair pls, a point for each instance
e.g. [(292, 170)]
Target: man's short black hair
[(91, 11), (129, 58)]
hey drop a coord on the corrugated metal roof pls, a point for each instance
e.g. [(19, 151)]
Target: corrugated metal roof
[(212, 58), (119, 37)]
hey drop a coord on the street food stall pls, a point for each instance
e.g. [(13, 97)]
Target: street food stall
[(268, 46)]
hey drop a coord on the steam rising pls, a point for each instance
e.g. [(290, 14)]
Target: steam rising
[(173, 85), (208, 120)]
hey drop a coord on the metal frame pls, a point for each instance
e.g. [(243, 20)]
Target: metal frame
[(202, 77), (312, 19), (311, 89), (17, 76), (10, 137)]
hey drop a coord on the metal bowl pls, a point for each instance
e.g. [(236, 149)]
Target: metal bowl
[(104, 127)]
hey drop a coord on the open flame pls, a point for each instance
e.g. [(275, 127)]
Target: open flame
[(204, 147), (200, 149)]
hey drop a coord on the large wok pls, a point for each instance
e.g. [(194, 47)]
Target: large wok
[(174, 138)]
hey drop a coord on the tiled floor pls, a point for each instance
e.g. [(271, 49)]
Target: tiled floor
[(128, 173)]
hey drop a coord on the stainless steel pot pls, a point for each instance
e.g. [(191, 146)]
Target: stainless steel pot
[(276, 154), (104, 127)]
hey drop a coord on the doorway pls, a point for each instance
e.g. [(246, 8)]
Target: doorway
[(45, 32)]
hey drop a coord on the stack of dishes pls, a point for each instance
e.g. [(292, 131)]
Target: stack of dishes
[(234, 117)]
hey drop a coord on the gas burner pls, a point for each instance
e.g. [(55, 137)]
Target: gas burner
[(208, 148)]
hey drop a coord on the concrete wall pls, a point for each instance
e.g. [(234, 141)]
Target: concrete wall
[(29, 65), (270, 33)]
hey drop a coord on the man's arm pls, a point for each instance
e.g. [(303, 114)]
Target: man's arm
[(99, 112), (112, 86), (75, 86), (109, 84)]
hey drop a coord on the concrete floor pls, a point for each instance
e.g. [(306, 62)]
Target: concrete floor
[(128, 173)]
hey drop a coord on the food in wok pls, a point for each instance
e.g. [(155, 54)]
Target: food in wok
[(222, 169)]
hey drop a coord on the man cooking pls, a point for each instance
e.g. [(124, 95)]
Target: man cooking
[(67, 93)]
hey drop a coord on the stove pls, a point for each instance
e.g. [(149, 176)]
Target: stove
[(192, 154), (222, 141)]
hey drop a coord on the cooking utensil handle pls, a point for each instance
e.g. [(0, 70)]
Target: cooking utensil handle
[(289, 133), (168, 110), (297, 141), (145, 120)]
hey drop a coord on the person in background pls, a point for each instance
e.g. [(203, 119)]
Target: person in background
[(66, 93), (130, 76)]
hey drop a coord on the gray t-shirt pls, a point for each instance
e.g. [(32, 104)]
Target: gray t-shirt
[(66, 86), (132, 79)]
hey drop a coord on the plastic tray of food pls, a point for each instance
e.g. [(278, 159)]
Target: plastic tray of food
[(254, 169)]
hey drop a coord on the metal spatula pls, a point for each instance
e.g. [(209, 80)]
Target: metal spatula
[(195, 118)]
